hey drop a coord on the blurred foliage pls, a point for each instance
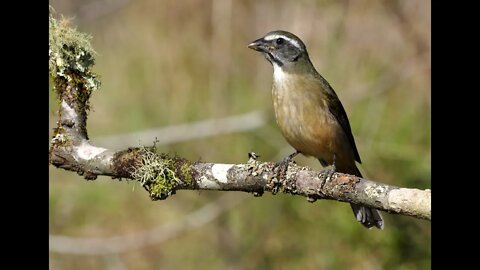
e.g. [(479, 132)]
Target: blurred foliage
[(170, 62)]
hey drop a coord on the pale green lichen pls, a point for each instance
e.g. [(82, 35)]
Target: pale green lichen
[(187, 173), (70, 53), (157, 174)]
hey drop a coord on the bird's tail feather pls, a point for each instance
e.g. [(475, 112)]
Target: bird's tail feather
[(369, 217)]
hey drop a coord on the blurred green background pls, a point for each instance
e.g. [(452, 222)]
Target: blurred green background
[(172, 62)]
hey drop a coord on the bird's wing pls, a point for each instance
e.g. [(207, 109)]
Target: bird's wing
[(336, 108)]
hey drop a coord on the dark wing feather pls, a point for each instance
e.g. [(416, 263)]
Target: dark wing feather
[(336, 108)]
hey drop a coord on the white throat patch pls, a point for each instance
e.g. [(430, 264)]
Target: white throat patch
[(275, 36), (278, 74)]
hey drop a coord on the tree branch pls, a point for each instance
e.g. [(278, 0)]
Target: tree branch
[(188, 131), (71, 59)]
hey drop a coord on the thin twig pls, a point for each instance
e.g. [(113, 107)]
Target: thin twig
[(186, 132)]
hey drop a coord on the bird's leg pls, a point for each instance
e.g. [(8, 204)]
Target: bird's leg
[(289, 158), (283, 165), (330, 172)]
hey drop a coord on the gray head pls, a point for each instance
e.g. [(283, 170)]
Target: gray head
[(280, 48)]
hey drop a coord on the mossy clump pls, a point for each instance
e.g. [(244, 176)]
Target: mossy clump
[(157, 174), (70, 56), (186, 172)]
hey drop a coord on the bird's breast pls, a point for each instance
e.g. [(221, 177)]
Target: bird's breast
[(303, 116)]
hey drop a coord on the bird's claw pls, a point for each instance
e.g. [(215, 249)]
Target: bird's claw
[(330, 173), (283, 164)]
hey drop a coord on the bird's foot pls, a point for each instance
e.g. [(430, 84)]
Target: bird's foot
[(283, 165), (330, 173)]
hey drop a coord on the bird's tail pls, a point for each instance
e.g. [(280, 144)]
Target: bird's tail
[(369, 217)]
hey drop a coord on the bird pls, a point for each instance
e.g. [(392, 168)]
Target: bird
[(309, 113)]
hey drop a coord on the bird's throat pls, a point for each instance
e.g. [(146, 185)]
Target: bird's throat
[(280, 76)]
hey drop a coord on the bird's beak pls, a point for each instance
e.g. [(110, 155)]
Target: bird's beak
[(259, 45)]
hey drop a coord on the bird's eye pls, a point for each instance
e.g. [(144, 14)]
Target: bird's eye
[(280, 41)]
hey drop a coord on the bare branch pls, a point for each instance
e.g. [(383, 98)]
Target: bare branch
[(161, 175), (188, 131)]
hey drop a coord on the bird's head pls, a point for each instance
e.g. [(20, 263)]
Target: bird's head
[(281, 48)]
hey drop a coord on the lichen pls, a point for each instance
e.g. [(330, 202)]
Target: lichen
[(60, 139), (157, 174), (70, 57), (187, 176), (374, 191)]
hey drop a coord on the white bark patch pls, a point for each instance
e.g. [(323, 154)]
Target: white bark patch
[(205, 183), (70, 112), (220, 171), (405, 198), (86, 151)]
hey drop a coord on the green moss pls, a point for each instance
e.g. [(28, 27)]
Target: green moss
[(186, 172), (157, 174)]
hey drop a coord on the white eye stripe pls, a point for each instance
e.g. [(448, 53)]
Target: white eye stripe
[(275, 36)]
